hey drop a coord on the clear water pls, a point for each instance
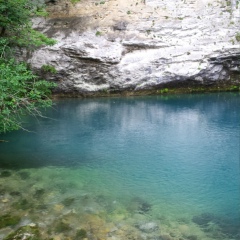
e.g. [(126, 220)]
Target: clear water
[(147, 167)]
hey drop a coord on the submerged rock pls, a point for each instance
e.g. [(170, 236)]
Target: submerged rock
[(62, 226), (9, 220), (81, 234), (139, 205), (25, 233), (148, 227)]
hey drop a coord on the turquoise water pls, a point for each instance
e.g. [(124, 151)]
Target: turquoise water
[(148, 167)]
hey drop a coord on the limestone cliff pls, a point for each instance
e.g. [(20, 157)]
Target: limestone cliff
[(116, 45)]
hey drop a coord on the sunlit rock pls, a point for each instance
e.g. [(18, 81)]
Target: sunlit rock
[(136, 45)]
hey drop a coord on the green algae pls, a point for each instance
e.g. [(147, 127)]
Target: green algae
[(26, 233), (8, 220), (81, 234), (62, 227), (23, 204)]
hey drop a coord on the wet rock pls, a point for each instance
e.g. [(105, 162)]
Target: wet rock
[(9, 220), (5, 174), (148, 227), (25, 233)]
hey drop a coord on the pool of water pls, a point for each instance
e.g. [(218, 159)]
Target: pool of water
[(159, 167)]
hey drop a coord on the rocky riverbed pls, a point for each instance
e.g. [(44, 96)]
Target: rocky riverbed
[(37, 204)]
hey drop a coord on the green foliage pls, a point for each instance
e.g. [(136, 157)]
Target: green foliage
[(49, 68), (164, 90), (235, 88), (75, 1), (98, 33), (21, 92), (16, 25)]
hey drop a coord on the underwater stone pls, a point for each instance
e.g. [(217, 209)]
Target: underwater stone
[(144, 208), (26, 233), (140, 205), (81, 234), (148, 227), (62, 227), (8, 220)]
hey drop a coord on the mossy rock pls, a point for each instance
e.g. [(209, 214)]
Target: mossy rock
[(26, 233), (62, 227), (9, 220), (23, 204), (81, 234)]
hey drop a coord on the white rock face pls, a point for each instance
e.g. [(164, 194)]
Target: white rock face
[(133, 45)]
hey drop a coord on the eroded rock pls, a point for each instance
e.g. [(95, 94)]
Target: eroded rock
[(120, 45)]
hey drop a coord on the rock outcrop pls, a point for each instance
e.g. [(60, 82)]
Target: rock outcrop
[(118, 45)]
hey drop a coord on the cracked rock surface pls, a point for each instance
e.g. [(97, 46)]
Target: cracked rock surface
[(135, 45)]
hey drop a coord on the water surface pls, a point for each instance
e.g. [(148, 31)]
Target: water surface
[(148, 167)]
